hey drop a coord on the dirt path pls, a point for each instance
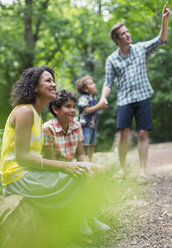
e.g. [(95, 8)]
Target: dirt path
[(148, 219), (157, 222)]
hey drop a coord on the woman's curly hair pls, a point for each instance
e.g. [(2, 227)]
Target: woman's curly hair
[(62, 96), (23, 91)]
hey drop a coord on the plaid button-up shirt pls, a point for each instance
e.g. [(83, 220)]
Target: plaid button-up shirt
[(65, 144), (132, 80)]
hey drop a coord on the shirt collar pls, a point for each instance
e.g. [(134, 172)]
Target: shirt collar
[(124, 57), (72, 126)]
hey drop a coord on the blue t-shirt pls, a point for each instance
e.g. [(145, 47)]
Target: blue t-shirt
[(90, 120)]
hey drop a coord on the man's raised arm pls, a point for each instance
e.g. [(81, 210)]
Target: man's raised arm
[(164, 26)]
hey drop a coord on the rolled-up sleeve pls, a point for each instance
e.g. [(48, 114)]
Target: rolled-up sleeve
[(110, 74), (152, 45)]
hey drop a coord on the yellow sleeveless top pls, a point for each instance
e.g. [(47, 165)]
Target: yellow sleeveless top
[(11, 171)]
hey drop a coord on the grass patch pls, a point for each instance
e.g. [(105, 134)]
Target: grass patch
[(121, 205)]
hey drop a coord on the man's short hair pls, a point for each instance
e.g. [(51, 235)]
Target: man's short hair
[(114, 30)]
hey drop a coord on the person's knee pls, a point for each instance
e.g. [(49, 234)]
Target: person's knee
[(142, 135), (124, 134)]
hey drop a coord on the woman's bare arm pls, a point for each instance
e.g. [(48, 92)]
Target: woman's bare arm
[(23, 120)]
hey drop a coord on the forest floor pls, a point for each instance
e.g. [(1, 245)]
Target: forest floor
[(140, 215)]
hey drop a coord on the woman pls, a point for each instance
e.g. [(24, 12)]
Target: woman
[(49, 183)]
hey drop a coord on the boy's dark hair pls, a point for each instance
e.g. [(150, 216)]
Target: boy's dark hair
[(81, 84), (62, 96), (23, 91), (114, 30)]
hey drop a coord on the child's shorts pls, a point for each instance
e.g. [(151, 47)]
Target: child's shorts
[(89, 136)]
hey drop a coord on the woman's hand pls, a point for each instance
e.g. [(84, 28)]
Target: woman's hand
[(76, 170)]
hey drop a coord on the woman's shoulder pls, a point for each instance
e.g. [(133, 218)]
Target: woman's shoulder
[(27, 108), (22, 110), (22, 114)]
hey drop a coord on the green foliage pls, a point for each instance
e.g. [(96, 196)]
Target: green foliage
[(74, 39), (1, 134), (160, 77)]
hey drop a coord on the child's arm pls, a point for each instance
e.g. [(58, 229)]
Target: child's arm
[(80, 153), (100, 105)]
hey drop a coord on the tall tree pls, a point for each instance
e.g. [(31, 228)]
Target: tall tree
[(20, 29), (74, 38)]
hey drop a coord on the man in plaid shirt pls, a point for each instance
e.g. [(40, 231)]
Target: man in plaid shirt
[(128, 65)]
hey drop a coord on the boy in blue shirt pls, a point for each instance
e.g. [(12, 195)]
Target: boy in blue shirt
[(88, 112)]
